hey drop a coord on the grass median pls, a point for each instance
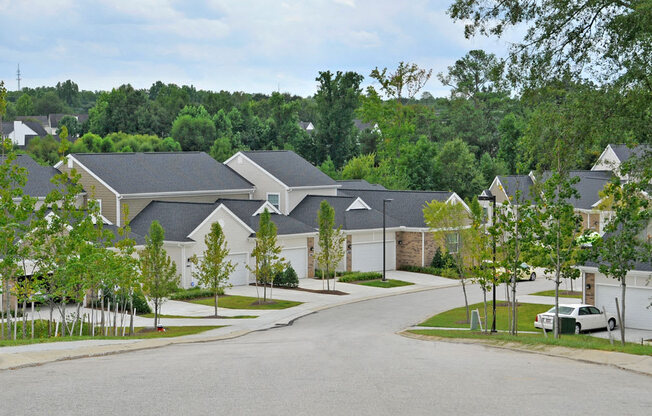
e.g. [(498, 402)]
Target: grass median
[(562, 294), (386, 284), (245, 302), (151, 315), (140, 333)]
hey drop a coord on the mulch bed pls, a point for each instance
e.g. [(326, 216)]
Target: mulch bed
[(302, 289)]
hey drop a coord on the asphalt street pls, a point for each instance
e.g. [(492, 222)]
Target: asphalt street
[(341, 361)]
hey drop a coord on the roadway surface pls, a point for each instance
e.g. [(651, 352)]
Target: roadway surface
[(345, 360)]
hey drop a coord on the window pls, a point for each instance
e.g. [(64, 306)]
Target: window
[(585, 311), (452, 242), (594, 310), (274, 199)]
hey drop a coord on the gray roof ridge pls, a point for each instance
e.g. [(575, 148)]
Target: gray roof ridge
[(179, 202), (399, 190), (136, 153), (266, 151)]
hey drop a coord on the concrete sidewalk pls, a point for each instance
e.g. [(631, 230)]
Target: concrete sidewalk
[(34, 354)]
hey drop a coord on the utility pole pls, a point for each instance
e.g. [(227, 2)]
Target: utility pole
[(18, 76)]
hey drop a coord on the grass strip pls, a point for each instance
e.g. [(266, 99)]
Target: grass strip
[(534, 340), (562, 293), (386, 284), (245, 302)]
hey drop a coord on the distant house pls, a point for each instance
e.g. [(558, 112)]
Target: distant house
[(22, 132), (282, 177), (136, 179), (307, 126), (616, 154), (362, 126)]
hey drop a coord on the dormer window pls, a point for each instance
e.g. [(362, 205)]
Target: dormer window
[(274, 199), (358, 204)]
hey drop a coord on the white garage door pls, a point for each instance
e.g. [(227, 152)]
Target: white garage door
[(368, 257), (240, 275), (298, 258), (637, 315)]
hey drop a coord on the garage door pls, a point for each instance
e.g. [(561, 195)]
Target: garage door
[(368, 257), (240, 275), (298, 258), (637, 299)]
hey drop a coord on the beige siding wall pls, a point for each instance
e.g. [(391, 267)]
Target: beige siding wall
[(95, 190), (295, 196), (263, 182), (500, 194), (136, 205), (174, 251)]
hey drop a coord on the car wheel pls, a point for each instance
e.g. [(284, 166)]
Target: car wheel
[(533, 277), (612, 324), (578, 328)]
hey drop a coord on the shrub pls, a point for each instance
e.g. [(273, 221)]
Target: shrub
[(445, 272), (193, 293), (287, 278), (360, 276), (331, 273), (442, 260)]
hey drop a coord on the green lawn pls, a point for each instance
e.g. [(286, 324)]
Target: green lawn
[(571, 341), (170, 332), (386, 284), (562, 293), (245, 302), (151, 315), (455, 318)]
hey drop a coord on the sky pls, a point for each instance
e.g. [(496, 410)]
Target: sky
[(234, 45)]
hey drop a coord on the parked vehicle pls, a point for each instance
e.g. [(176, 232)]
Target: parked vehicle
[(525, 271), (587, 317)]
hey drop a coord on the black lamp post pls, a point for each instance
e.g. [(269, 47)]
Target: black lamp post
[(487, 196), (384, 202)]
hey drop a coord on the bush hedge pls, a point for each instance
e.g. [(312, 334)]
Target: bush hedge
[(360, 276), (193, 293), (287, 278), (445, 272)]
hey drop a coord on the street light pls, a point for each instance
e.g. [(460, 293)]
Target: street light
[(488, 196), (384, 202)]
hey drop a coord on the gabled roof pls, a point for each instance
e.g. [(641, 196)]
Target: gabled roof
[(36, 128), (136, 173), (178, 219), (42, 120), (244, 209), (518, 183), (624, 153), (360, 185), (590, 184), (38, 178), (7, 127), (406, 207), (361, 125), (357, 219), (289, 168)]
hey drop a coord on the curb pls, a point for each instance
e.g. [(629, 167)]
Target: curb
[(550, 351), (36, 358)]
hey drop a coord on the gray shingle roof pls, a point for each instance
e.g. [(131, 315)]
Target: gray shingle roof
[(362, 219), (624, 153), (178, 219), (36, 127), (290, 168), (132, 173), (244, 209), (361, 125), (589, 187), (515, 183), (42, 120), (7, 127), (406, 207), (38, 177), (360, 185)]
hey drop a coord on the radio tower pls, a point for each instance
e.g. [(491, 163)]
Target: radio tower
[(18, 77)]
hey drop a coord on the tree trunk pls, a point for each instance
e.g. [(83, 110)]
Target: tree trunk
[(623, 289), (101, 314), (216, 303), (514, 310), (32, 319), (51, 303), (328, 276), (115, 317), (2, 313), (466, 301), (131, 318), (24, 319), (484, 294), (155, 312), (15, 323)]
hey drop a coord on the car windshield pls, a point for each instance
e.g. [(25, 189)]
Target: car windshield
[(563, 310)]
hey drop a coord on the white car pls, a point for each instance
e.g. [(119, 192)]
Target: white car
[(587, 317)]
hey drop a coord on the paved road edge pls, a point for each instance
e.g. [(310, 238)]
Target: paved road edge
[(640, 364)]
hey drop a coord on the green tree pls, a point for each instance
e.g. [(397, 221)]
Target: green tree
[(449, 225), (477, 72), (213, 268), (510, 131), (337, 97), (194, 134), (159, 272), (331, 242), (625, 242), (267, 253), (460, 165), (608, 36), (25, 105), (68, 91), (71, 124), (328, 167)]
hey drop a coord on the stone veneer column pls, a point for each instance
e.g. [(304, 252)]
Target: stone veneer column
[(589, 280), (311, 256), (349, 262)]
